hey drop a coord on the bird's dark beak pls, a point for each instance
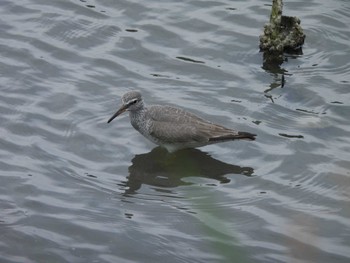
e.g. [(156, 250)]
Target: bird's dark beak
[(120, 111)]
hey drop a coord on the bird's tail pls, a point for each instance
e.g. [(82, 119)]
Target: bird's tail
[(246, 136), (238, 136)]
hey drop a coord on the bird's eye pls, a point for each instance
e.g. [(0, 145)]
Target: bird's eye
[(134, 101)]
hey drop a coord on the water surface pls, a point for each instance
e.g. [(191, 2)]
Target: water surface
[(76, 189)]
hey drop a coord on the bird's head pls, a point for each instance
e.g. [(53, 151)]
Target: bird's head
[(131, 101)]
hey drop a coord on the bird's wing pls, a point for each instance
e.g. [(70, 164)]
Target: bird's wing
[(196, 131), (179, 126), (169, 132)]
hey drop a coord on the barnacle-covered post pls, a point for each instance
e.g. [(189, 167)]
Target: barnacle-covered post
[(282, 33)]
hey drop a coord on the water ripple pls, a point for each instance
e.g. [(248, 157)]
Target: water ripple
[(84, 190)]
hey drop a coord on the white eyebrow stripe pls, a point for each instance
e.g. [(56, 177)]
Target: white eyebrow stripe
[(131, 101)]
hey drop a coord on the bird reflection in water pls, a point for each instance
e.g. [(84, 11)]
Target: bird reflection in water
[(161, 169)]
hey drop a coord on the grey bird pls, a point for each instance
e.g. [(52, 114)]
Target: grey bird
[(172, 127)]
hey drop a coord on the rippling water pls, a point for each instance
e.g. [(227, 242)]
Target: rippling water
[(76, 189)]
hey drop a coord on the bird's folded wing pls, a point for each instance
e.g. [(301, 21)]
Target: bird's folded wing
[(175, 133), (197, 132)]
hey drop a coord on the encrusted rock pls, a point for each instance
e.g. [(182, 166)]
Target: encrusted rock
[(282, 33)]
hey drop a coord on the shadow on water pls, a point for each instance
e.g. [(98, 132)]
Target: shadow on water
[(160, 168), (272, 63)]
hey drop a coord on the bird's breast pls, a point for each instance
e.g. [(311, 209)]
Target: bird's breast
[(139, 122)]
